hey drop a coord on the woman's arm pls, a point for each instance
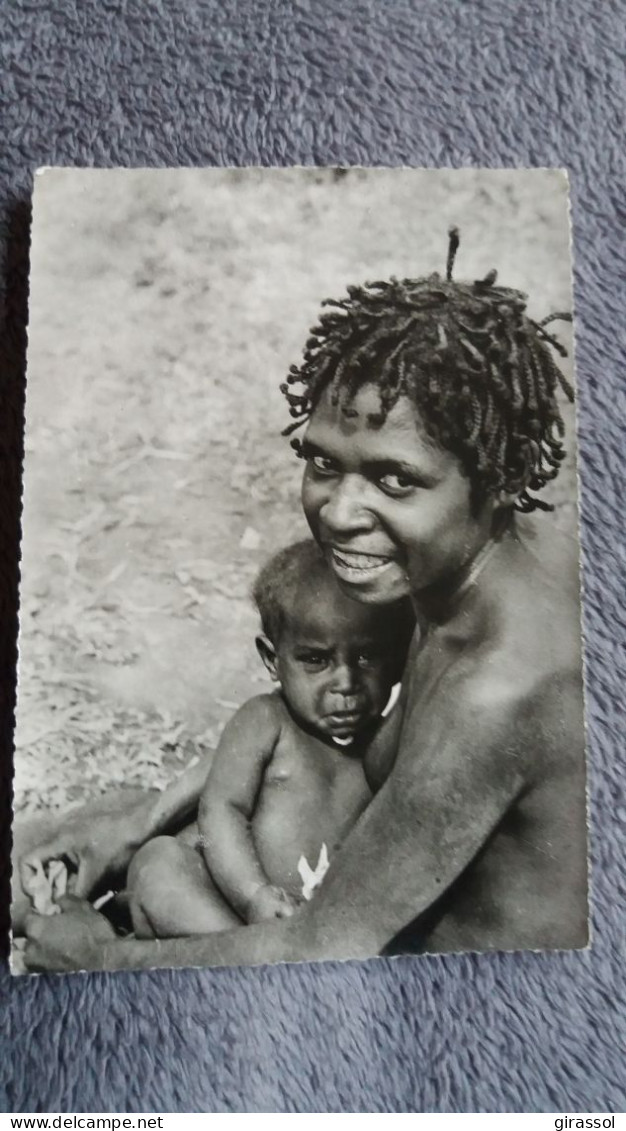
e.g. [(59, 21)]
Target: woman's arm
[(178, 802), (99, 839), (455, 776)]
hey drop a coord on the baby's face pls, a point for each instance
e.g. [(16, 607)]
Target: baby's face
[(335, 663)]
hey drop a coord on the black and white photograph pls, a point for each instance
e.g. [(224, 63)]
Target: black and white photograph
[(300, 657)]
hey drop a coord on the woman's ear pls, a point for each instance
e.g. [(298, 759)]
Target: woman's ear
[(504, 501), (267, 652)]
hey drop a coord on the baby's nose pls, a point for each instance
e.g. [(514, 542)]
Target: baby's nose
[(344, 679)]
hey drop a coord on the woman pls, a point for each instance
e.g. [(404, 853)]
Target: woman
[(432, 422)]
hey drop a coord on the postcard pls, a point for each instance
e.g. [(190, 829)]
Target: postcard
[(300, 668)]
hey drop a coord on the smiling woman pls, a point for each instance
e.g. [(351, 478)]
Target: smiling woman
[(467, 356), (433, 416), (392, 509)]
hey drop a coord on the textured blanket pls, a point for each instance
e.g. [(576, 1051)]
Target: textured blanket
[(443, 82)]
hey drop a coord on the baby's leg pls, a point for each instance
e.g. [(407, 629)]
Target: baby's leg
[(172, 894)]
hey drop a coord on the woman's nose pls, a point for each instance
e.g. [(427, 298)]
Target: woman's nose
[(343, 511)]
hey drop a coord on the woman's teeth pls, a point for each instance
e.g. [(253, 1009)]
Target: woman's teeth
[(359, 563)]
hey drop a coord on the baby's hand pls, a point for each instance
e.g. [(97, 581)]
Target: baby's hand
[(270, 902)]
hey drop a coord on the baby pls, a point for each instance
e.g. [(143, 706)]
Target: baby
[(287, 782)]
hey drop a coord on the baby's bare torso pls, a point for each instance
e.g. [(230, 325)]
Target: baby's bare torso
[(311, 795)]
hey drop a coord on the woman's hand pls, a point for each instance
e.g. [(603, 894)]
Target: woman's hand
[(74, 940), (93, 845)]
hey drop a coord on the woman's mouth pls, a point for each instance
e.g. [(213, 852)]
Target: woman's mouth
[(359, 568)]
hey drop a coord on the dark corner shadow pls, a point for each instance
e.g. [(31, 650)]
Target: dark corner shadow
[(14, 257)]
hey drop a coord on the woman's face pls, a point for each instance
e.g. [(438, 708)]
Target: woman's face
[(390, 508)]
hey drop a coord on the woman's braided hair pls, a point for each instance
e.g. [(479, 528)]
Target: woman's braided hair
[(479, 371)]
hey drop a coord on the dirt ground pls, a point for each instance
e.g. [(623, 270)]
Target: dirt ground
[(166, 308)]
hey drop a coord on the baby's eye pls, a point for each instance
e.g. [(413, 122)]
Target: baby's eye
[(366, 658), (314, 661), (394, 483), (322, 465)]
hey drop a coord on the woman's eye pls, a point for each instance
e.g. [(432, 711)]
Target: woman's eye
[(321, 465), (395, 484)]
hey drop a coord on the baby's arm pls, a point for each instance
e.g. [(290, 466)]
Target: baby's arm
[(228, 804)]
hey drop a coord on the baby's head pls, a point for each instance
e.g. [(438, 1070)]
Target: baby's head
[(336, 659)]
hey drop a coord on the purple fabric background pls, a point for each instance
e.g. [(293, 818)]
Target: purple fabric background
[(426, 82)]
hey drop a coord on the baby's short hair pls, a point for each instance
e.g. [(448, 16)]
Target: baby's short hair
[(275, 588)]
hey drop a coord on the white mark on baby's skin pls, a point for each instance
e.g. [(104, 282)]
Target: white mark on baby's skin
[(312, 877)]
